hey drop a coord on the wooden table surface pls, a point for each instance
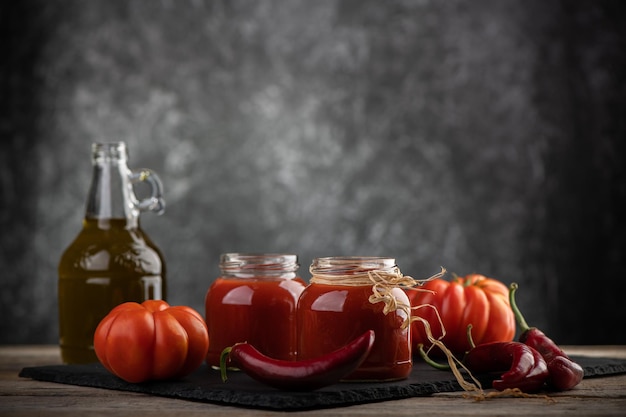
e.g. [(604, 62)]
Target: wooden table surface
[(25, 397)]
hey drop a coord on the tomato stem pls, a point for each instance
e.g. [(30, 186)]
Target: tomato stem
[(516, 311), (223, 358), (436, 365)]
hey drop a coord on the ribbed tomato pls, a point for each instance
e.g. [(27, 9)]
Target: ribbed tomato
[(151, 341), (475, 299)]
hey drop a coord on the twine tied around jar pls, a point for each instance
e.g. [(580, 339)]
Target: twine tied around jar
[(383, 283), (382, 289)]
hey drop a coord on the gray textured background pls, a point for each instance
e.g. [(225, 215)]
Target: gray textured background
[(484, 136)]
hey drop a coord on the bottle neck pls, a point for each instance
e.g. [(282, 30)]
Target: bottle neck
[(110, 195)]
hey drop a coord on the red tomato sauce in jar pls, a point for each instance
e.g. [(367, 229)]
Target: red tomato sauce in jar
[(332, 312), (254, 301)]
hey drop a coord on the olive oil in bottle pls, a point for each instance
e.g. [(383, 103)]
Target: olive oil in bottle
[(111, 261)]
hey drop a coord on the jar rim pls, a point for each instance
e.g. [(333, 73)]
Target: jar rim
[(260, 262), (351, 264)]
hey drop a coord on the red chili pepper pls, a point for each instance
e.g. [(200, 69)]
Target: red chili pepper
[(565, 374), (524, 368), (303, 375)]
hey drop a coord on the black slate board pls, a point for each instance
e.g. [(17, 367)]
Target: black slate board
[(240, 390)]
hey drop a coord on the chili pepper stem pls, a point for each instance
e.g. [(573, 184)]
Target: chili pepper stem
[(223, 358), (516, 311), (428, 360), (470, 339)]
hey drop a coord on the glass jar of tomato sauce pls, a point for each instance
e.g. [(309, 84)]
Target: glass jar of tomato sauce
[(254, 300), (347, 296)]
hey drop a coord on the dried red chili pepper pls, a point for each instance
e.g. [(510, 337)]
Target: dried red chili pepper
[(524, 368), (565, 374), (303, 375)]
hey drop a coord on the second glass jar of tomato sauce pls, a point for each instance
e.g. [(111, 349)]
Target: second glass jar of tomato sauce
[(345, 298), (254, 300)]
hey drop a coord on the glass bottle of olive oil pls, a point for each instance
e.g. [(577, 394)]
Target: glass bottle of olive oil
[(111, 261)]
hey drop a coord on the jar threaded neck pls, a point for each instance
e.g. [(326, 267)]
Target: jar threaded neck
[(259, 264)]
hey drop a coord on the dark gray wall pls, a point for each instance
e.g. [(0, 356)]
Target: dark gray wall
[(484, 136)]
